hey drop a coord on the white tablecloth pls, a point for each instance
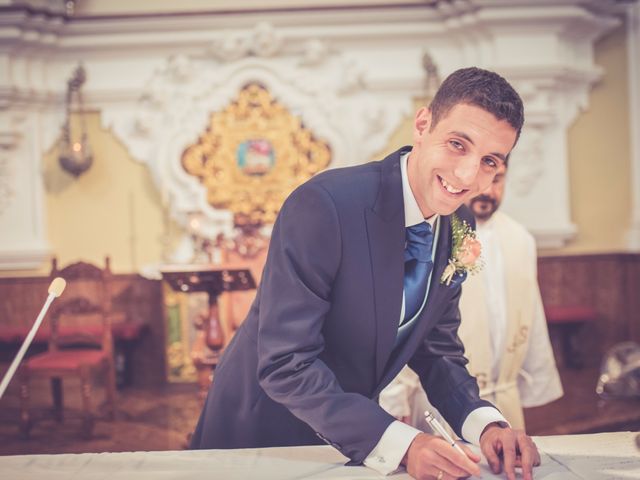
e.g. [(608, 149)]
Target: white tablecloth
[(600, 456)]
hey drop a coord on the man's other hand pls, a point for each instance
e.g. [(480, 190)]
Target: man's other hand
[(431, 457), (506, 449)]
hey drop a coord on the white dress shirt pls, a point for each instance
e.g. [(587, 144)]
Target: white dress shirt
[(395, 441)]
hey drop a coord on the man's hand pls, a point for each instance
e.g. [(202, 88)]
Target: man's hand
[(508, 449), (431, 457)]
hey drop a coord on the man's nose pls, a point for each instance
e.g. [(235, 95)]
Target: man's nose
[(466, 170), (488, 192)]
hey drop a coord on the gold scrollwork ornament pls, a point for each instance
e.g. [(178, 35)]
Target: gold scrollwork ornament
[(253, 154)]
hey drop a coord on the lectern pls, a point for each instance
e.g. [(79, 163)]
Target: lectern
[(213, 279)]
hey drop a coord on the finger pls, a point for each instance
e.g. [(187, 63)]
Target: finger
[(492, 454), (475, 458), (433, 463), (455, 462), (527, 452), (425, 458), (450, 469), (509, 456)]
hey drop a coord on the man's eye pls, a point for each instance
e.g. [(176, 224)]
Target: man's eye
[(490, 161), (455, 144)]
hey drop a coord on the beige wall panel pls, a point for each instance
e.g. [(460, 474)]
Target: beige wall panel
[(112, 209)]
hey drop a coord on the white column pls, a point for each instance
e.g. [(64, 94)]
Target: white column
[(23, 243), (30, 116)]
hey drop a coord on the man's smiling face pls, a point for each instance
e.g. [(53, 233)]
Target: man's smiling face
[(457, 158)]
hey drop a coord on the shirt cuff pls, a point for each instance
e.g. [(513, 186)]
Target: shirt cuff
[(386, 456), (477, 421)]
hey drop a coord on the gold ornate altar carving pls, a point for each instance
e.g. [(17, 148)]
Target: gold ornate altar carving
[(253, 154)]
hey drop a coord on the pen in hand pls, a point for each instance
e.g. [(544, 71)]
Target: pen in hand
[(437, 427)]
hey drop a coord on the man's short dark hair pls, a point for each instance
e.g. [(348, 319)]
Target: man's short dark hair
[(482, 88)]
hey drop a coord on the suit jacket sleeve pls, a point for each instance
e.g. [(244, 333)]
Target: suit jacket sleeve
[(304, 256)]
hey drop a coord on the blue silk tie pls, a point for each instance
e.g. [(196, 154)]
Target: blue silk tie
[(417, 267)]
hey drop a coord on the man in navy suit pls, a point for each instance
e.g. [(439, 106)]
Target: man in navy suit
[(331, 323)]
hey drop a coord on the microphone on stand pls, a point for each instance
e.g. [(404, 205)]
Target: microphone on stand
[(55, 290)]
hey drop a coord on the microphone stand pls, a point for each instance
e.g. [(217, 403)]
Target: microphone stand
[(55, 289)]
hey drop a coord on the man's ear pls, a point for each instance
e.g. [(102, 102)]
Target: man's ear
[(421, 124)]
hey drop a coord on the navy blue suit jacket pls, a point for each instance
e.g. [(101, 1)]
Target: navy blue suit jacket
[(317, 346)]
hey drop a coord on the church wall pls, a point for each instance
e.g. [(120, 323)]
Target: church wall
[(115, 209), (600, 157), (149, 99)]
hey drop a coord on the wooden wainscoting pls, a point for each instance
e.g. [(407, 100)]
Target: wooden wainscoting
[(21, 299), (610, 285), (607, 282)]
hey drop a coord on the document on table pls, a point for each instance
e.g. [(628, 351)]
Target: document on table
[(612, 455)]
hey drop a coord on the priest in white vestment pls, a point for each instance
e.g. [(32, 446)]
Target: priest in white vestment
[(503, 326)]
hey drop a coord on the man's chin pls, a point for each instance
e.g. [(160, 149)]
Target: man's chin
[(447, 207), (448, 210)]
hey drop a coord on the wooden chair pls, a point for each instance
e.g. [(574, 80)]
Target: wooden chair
[(80, 344)]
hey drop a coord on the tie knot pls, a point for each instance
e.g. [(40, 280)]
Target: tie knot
[(419, 242), (421, 230)]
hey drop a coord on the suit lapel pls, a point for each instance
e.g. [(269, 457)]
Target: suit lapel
[(385, 231)]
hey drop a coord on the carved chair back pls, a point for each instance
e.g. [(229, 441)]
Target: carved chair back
[(82, 318)]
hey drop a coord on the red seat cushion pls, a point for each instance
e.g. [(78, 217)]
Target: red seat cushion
[(570, 314), (128, 330), (65, 360)]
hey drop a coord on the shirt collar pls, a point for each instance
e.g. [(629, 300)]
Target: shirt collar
[(412, 213)]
